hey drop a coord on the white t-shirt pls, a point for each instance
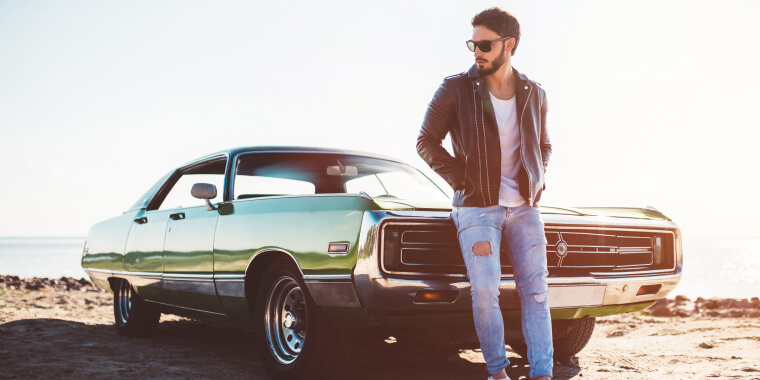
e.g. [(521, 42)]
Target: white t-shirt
[(509, 139)]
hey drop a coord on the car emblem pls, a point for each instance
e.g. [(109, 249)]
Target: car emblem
[(561, 249), (561, 252)]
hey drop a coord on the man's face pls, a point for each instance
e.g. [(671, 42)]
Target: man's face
[(489, 62)]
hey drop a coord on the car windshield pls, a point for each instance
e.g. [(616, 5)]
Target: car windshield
[(270, 174)]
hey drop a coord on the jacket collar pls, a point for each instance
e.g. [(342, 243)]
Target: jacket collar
[(521, 78), (523, 85)]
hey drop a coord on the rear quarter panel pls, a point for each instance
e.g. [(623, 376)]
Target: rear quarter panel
[(301, 226), (105, 246)]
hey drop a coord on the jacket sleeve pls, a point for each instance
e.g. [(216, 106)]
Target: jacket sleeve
[(546, 145), (440, 115)]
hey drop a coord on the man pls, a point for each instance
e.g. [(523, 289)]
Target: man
[(497, 120)]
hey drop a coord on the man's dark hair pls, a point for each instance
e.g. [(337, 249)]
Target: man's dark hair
[(501, 22)]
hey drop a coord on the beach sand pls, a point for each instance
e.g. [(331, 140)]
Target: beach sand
[(53, 332)]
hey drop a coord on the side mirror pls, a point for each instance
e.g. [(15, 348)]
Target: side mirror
[(204, 191)]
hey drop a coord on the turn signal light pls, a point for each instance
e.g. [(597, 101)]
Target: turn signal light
[(436, 296), (648, 289), (337, 248)]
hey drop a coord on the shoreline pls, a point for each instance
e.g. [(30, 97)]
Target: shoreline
[(678, 306)]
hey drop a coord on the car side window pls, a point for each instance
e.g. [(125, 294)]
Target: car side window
[(179, 194)]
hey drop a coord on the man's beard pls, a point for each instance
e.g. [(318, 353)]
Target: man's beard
[(497, 63)]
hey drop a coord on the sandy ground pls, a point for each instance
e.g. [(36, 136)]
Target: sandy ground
[(69, 334)]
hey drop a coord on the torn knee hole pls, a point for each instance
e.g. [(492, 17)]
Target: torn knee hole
[(482, 248), (540, 297)]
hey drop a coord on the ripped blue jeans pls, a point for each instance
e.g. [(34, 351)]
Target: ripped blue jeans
[(481, 230)]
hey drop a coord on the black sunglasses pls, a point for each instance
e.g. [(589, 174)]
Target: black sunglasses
[(484, 46)]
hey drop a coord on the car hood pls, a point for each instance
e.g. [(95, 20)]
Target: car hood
[(617, 212)]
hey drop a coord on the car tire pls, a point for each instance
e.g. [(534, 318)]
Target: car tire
[(294, 337), (132, 315), (579, 334)]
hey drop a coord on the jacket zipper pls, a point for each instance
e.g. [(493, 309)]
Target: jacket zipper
[(522, 145)]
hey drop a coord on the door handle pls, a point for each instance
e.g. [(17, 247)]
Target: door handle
[(141, 220), (178, 216)]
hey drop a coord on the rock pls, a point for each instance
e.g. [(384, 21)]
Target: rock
[(705, 345), (712, 303), (661, 311), (682, 299), (682, 312), (742, 304), (736, 313), (661, 303)]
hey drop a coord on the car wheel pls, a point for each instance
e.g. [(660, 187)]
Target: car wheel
[(132, 315), (580, 331), (579, 335), (519, 347), (295, 339)]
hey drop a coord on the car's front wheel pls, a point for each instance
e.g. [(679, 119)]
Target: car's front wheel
[(579, 334), (132, 315), (295, 339)]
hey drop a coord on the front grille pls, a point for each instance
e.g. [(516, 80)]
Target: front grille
[(427, 248)]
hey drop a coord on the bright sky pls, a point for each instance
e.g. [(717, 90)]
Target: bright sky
[(651, 102)]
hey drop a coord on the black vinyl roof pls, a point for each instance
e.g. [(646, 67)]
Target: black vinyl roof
[(295, 149)]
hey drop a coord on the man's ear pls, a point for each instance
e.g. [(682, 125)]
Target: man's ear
[(509, 45)]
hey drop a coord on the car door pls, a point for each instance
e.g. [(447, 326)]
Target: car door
[(188, 245), (189, 259), (143, 257)]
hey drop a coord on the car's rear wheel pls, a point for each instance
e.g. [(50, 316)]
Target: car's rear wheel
[(295, 339), (579, 334), (132, 315)]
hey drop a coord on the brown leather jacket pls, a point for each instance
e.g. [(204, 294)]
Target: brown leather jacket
[(462, 107)]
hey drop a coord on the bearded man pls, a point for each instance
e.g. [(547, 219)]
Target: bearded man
[(497, 120)]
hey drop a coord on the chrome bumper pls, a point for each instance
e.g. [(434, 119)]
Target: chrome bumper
[(387, 295)]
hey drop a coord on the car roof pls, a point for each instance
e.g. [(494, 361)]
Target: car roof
[(290, 149)]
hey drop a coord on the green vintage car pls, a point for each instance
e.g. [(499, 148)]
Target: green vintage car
[(318, 249)]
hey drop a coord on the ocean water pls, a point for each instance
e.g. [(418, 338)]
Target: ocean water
[(713, 267), (42, 257)]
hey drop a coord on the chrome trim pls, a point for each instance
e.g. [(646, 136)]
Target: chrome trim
[(587, 221), (394, 294), (173, 276), (226, 277), (265, 250), (125, 273), (551, 228), (188, 277), (302, 196), (340, 253), (420, 214), (326, 277)]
